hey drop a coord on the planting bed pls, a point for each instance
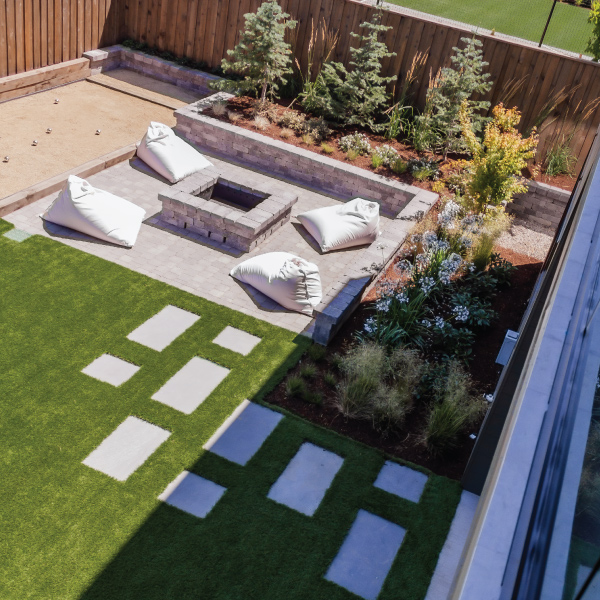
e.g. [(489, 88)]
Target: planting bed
[(406, 443)]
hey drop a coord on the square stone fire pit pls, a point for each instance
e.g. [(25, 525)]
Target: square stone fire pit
[(208, 204)]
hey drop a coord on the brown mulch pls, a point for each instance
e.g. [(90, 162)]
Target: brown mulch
[(510, 305)]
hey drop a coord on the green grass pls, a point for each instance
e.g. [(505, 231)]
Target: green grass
[(69, 532), (568, 28)]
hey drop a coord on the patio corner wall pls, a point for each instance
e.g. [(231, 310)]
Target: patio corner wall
[(296, 165), (542, 204)]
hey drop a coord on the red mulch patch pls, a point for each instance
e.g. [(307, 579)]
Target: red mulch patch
[(510, 305)]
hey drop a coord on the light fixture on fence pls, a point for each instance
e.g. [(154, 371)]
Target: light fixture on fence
[(56, 101), (98, 131), (6, 159), (49, 130), (34, 143)]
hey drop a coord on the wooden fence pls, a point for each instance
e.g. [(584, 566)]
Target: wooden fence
[(38, 32)]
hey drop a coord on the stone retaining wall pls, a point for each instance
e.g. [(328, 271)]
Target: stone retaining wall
[(542, 204), (293, 164), (118, 56)]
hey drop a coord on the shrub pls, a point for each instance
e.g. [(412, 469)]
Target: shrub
[(330, 379), (376, 161), (377, 386), (560, 160), (423, 168), (233, 116), (262, 56), (260, 123), (352, 154), (292, 119), (495, 169), (358, 142), (457, 406), (308, 139), (439, 127), (219, 108), (286, 133), (317, 129), (386, 154), (482, 251), (399, 166), (308, 371), (356, 97), (313, 397), (593, 45), (295, 387), (317, 352), (327, 148)]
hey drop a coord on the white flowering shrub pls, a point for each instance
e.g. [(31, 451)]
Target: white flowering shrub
[(387, 154), (358, 142)]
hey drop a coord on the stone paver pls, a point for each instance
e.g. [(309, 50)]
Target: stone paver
[(193, 494), (305, 480), (447, 564), (366, 556), (17, 235), (163, 328), (242, 435), (401, 481), (200, 266), (191, 385), (236, 340), (127, 448), (110, 369)]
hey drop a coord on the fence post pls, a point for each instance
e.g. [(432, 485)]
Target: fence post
[(547, 23)]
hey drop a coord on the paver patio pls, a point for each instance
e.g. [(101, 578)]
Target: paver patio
[(201, 266)]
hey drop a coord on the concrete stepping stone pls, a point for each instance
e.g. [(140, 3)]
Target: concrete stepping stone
[(111, 369), (366, 556), (243, 433), (237, 340), (401, 481), (191, 385), (17, 235), (193, 494), (164, 327), (127, 448), (305, 480)]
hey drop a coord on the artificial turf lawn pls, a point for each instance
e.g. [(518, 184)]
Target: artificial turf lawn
[(568, 28), (70, 532)]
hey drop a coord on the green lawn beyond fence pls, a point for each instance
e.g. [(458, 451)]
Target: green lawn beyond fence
[(568, 28)]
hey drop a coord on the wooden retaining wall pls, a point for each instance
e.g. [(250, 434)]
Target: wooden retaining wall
[(34, 33)]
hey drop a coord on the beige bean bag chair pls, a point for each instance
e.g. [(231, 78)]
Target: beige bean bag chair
[(95, 212), (286, 278), (168, 154), (342, 226)]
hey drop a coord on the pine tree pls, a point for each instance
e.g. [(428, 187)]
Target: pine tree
[(262, 56), (438, 128), (355, 97)]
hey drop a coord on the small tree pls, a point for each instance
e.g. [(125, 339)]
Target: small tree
[(355, 97), (262, 56), (495, 170), (593, 44), (439, 128)]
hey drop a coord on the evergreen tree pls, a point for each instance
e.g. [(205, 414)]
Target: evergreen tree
[(355, 97), (439, 128), (262, 56), (593, 44)]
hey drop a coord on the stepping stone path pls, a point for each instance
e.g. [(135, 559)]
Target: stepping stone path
[(236, 340), (193, 494), (366, 556), (111, 369), (401, 481), (126, 448), (191, 385), (305, 480), (163, 328), (17, 235), (242, 434)]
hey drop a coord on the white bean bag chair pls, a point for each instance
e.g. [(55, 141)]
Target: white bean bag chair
[(168, 154), (351, 224), (95, 212), (286, 278)]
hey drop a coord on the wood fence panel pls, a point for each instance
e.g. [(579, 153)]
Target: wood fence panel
[(3, 42)]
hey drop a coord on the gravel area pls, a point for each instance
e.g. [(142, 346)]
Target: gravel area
[(527, 238)]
